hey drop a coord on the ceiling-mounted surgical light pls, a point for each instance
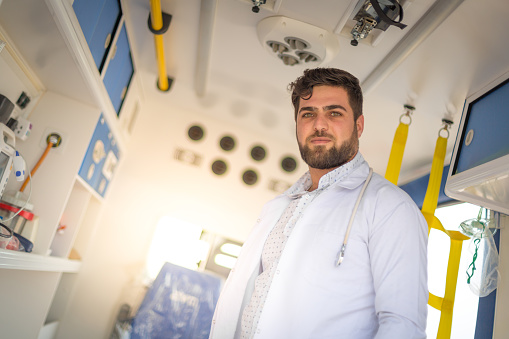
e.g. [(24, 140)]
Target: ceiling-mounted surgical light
[(379, 14)]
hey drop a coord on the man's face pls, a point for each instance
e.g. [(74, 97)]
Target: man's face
[(327, 134)]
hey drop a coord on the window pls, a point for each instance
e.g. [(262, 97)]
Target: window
[(466, 302), (178, 242)]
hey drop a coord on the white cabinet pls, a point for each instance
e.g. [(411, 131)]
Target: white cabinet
[(53, 58)]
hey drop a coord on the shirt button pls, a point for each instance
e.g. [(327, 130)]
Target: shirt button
[(277, 272), (213, 321), (233, 270), (258, 331)]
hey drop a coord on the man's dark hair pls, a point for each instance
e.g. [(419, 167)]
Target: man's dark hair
[(303, 86)]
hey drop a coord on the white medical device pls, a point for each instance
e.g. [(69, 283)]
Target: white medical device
[(7, 156), (479, 171)]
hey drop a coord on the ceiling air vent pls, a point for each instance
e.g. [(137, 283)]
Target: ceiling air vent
[(296, 42), (278, 47), (289, 60), (306, 56)]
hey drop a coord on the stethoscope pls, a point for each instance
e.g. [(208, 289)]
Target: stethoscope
[(341, 253)]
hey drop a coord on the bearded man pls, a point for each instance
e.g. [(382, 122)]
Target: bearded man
[(343, 252)]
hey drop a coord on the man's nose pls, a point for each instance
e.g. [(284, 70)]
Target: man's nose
[(321, 123)]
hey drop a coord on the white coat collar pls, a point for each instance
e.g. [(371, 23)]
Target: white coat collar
[(346, 176)]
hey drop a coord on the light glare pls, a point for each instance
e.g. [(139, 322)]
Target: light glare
[(225, 260), (231, 249)]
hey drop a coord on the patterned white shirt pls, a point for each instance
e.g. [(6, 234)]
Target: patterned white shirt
[(276, 241)]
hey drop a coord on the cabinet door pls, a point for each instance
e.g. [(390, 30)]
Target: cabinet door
[(98, 20), (119, 72), (124, 79), (88, 12)]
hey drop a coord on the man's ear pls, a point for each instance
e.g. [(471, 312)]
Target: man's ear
[(360, 125)]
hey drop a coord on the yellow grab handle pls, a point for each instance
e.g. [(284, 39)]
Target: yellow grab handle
[(396, 156), (435, 177), (446, 304)]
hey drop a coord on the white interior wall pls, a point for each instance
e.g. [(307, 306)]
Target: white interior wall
[(73, 121)]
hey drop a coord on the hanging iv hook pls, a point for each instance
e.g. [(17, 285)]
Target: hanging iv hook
[(446, 125), (409, 109)]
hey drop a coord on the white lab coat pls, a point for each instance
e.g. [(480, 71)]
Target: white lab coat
[(380, 289)]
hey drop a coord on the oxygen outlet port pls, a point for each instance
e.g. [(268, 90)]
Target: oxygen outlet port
[(55, 139)]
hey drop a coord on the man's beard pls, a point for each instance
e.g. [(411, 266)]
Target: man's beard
[(321, 158)]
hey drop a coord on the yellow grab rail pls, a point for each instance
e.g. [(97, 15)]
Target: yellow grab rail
[(156, 17)]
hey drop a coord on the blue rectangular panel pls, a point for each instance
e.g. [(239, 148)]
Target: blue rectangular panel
[(180, 304), (124, 80), (98, 156), (119, 71), (416, 189), (485, 135), (88, 13), (105, 31)]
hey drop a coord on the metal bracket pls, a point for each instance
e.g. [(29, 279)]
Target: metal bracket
[(166, 24)]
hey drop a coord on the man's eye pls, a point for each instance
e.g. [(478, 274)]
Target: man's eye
[(336, 114), (307, 115)]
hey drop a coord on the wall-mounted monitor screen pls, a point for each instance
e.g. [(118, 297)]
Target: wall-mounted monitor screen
[(479, 171)]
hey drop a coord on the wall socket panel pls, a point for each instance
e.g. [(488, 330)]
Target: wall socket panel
[(49, 130)]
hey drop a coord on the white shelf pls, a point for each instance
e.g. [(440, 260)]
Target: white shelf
[(34, 262), (48, 331), (86, 186)]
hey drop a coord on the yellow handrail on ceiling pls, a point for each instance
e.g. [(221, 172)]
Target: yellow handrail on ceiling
[(157, 24)]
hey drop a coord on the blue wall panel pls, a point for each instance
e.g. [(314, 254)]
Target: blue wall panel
[(417, 189), (98, 156)]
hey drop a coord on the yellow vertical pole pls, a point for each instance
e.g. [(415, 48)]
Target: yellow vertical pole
[(157, 23)]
